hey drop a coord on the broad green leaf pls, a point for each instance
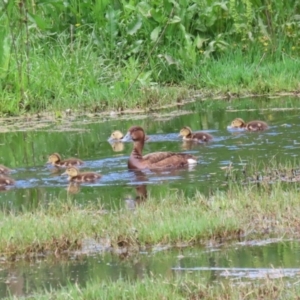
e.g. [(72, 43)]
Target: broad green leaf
[(174, 20), (200, 41), (134, 26), (144, 9), (155, 33)]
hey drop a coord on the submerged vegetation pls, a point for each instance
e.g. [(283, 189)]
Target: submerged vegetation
[(95, 56)]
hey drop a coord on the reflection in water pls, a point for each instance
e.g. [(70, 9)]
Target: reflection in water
[(246, 261), (141, 190), (73, 188)]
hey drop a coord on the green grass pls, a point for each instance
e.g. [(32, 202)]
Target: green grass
[(82, 80), (191, 287), (271, 210)]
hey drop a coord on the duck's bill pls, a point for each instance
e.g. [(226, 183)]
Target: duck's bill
[(110, 139), (64, 173), (127, 137)]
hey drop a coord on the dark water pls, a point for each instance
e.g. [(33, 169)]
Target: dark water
[(27, 151), (242, 261)]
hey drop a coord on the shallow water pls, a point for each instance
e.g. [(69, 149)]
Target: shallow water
[(240, 261), (36, 183), (26, 148)]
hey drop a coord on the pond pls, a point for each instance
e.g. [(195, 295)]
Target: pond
[(248, 261), (26, 150)]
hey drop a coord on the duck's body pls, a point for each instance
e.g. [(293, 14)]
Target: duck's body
[(4, 170), (56, 161), (188, 135), (155, 160), (76, 176), (255, 125), (117, 136), (5, 180)]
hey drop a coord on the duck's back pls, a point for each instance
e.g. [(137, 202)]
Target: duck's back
[(202, 136), (157, 160), (257, 125)]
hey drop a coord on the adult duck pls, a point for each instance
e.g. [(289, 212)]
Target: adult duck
[(188, 135), (154, 160), (256, 125)]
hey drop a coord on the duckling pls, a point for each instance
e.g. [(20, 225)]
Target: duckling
[(56, 161), (188, 135), (117, 136), (4, 181), (76, 176), (4, 170), (250, 126), (153, 160)]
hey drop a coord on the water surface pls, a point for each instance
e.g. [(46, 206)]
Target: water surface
[(36, 183), (245, 261)]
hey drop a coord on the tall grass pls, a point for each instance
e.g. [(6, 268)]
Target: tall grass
[(104, 55), (62, 225)]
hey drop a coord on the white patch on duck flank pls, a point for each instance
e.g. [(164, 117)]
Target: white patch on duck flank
[(191, 161)]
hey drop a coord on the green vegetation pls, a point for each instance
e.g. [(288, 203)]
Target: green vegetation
[(270, 210), (184, 288), (102, 55)]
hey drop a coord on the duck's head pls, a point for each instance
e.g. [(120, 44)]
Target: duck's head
[(54, 158), (185, 131), (238, 123), (116, 136), (135, 133), (71, 171)]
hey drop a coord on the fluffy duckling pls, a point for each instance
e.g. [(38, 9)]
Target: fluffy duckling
[(4, 170), (188, 135), (250, 126), (76, 176), (117, 136), (153, 160), (4, 181), (56, 161)]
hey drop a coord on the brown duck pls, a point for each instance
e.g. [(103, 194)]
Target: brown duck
[(56, 161), (76, 176), (4, 181), (117, 136), (188, 135), (4, 170), (154, 160), (250, 126)]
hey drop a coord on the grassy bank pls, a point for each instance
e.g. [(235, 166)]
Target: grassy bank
[(267, 210), (183, 288), (103, 56), (83, 82)]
